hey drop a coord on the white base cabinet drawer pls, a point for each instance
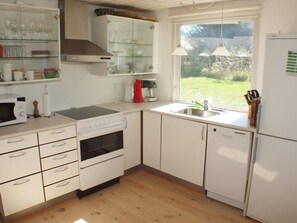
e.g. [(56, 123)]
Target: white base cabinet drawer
[(57, 147), (58, 160), (57, 134), (60, 173), (21, 194), (19, 163), (63, 187), (20, 142)]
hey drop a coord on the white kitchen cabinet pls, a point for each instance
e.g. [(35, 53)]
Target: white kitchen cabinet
[(61, 188), (20, 178), (132, 140), (57, 147), (59, 161), (19, 142), (226, 169), (60, 173), (152, 139), (56, 134), (273, 194), (10, 167), (22, 193), (183, 149), (31, 41), (133, 42)]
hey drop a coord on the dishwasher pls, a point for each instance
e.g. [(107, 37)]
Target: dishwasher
[(227, 159)]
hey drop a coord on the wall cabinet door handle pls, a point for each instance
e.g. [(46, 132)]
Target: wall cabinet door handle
[(20, 182), (16, 140), (63, 156), (17, 155)]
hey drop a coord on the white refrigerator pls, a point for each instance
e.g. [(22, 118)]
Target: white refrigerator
[(273, 188)]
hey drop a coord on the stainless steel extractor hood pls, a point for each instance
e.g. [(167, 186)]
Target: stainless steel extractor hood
[(75, 46)]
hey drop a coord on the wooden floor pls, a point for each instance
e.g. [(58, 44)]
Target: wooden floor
[(140, 197)]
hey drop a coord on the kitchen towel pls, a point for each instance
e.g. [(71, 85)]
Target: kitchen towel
[(46, 105)]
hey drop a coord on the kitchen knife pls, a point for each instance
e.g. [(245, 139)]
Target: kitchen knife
[(247, 98), (255, 93), (250, 95)]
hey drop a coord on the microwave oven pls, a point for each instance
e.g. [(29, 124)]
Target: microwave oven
[(12, 109)]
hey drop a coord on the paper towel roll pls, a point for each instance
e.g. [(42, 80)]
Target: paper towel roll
[(46, 104)]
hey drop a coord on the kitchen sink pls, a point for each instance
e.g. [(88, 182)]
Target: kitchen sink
[(197, 112)]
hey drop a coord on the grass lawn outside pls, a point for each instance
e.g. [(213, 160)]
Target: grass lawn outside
[(220, 93)]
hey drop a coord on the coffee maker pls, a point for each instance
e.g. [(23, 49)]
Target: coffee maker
[(149, 84)]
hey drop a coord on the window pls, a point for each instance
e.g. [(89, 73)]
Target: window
[(223, 80)]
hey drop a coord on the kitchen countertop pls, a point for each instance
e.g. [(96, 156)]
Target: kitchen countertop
[(35, 125), (238, 120)]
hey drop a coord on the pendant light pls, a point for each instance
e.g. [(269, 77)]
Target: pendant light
[(221, 49), (179, 50)]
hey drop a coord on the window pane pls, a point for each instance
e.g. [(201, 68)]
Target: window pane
[(223, 80)]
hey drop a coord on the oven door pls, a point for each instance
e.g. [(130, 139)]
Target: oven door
[(101, 148)]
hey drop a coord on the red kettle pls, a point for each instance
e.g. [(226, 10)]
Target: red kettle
[(137, 92)]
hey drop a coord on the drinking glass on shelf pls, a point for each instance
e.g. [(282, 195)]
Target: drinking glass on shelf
[(39, 29), (24, 28), (48, 29), (32, 27)]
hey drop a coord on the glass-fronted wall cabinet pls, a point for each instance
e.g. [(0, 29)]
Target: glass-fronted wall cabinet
[(29, 44), (131, 41)]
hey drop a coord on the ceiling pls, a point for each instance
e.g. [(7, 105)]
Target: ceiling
[(147, 5)]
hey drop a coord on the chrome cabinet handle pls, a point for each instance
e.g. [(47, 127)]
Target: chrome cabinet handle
[(20, 182), (259, 113), (202, 132), (63, 184), (60, 157), (254, 159), (59, 144), (59, 131), (16, 140), (17, 155), (61, 169)]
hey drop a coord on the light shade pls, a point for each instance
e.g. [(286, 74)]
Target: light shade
[(179, 51), (221, 51)]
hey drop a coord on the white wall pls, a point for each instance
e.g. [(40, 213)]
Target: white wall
[(276, 16), (79, 87)]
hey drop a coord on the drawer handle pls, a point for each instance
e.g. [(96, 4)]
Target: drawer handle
[(20, 182), (59, 144), (61, 169), (59, 131), (63, 184), (60, 157), (15, 140), (17, 155)]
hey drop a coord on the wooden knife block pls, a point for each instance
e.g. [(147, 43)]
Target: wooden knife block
[(253, 111)]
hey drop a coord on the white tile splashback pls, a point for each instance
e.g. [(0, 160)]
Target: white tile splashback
[(78, 88)]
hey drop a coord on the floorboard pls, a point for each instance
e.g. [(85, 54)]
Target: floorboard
[(140, 197)]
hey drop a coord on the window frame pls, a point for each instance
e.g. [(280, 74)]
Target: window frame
[(210, 18)]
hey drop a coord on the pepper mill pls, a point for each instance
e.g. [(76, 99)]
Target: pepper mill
[(36, 111)]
